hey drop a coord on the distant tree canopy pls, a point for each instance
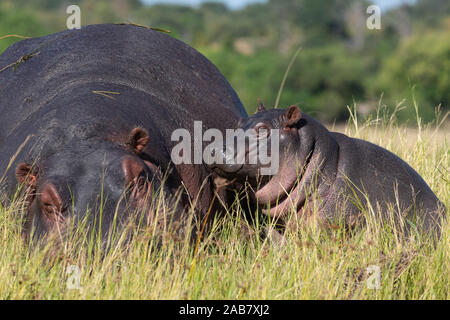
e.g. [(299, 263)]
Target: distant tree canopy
[(18, 23), (341, 61), (420, 63)]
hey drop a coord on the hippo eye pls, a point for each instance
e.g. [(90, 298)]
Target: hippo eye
[(140, 186), (49, 208), (53, 212), (262, 130)]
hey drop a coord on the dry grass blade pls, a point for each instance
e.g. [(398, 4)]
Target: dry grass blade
[(144, 26), (14, 36), (106, 93)]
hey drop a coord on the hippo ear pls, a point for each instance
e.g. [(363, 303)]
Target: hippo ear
[(260, 106), (292, 116), (138, 139), (26, 174)]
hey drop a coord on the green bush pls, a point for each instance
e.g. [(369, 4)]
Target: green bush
[(18, 22), (420, 64), (322, 81)]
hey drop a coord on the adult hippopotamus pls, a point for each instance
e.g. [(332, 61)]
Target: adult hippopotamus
[(330, 174), (88, 114)]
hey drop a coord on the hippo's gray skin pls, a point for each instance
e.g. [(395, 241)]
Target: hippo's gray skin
[(101, 104), (333, 172)]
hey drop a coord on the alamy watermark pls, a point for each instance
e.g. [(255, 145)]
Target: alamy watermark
[(374, 279), (374, 20), (74, 19), (74, 279), (238, 148)]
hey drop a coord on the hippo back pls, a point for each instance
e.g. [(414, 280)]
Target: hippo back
[(146, 60)]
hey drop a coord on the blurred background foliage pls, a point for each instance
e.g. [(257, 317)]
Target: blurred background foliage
[(341, 61)]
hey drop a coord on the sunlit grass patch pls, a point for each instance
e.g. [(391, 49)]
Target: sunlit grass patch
[(236, 260)]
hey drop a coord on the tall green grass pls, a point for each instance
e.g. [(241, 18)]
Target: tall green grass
[(234, 261)]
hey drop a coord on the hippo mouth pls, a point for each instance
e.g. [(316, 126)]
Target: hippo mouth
[(228, 168), (283, 195)]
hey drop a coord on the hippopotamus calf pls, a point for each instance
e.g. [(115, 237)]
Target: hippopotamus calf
[(331, 174)]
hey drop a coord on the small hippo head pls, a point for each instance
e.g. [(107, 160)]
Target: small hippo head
[(280, 128), (101, 185)]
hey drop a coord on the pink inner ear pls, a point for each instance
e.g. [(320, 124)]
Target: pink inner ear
[(293, 115), (141, 143), (138, 139)]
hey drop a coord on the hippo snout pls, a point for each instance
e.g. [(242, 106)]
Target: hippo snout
[(224, 163)]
